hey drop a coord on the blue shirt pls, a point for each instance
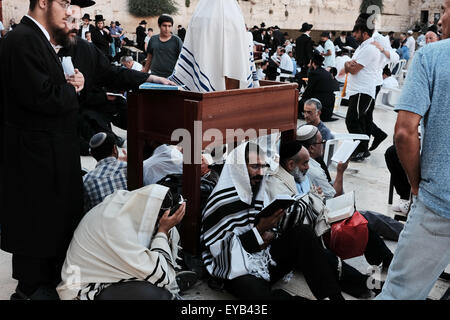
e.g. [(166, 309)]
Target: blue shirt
[(303, 187), (108, 176), (325, 132), (426, 93)]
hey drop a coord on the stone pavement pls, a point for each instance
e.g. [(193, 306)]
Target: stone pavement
[(369, 179)]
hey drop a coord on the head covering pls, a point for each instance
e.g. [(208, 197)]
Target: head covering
[(263, 25), (97, 140), (410, 32), (82, 3), (205, 60), (317, 58), (165, 160), (325, 34), (290, 149), (99, 17), (115, 241), (117, 23), (306, 132), (143, 22), (306, 27), (86, 16)]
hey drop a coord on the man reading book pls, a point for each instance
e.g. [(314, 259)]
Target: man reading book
[(246, 255)]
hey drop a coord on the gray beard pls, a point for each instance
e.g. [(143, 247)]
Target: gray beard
[(299, 176)]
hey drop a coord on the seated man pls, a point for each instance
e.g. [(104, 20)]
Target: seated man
[(312, 112), (109, 175), (389, 82), (318, 173), (125, 249), (240, 249), (292, 171), (129, 63), (166, 159)]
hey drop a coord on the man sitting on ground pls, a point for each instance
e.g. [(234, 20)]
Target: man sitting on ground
[(312, 112), (240, 249), (109, 175), (318, 173), (126, 249)]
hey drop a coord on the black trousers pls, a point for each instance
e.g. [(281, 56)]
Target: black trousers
[(399, 178), (376, 131), (32, 273), (359, 117), (297, 249), (134, 290)]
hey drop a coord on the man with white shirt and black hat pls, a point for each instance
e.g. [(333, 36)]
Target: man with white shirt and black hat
[(87, 27)]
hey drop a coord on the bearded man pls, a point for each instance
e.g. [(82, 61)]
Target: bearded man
[(42, 202)]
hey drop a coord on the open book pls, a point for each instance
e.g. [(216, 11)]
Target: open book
[(345, 151), (341, 207), (280, 202)]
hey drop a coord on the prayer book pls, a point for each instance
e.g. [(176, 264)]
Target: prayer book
[(280, 202), (345, 151), (340, 208), (158, 86)]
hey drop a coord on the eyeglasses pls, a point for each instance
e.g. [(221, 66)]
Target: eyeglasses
[(259, 166), (322, 142), (65, 4)]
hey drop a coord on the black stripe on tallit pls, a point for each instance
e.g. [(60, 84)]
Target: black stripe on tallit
[(162, 277), (209, 205), (218, 193), (230, 225), (222, 212), (154, 270)]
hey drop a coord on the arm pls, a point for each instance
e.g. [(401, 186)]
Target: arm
[(328, 53), (339, 180), (407, 143), (148, 63), (352, 67)]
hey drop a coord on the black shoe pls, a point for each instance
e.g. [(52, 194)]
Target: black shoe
[(366, 154), (358, 157), (377, 140), (186, 279)]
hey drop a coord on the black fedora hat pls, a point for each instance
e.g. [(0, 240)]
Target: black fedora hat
[(306, 27), (143, 22), (117, 23), (86, 16), (99, 17), (82, 3)]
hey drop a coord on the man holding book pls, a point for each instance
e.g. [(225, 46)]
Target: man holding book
[(240, 248)]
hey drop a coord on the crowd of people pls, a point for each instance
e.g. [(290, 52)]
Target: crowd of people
[(82, 235)]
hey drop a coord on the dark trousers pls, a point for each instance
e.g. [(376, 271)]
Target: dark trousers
[(376, 131), (399, 178), (360, 117), (32, 273), (296, 249), (134, 290)]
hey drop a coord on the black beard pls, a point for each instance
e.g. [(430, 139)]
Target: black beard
[(62, 38), (255, 188)]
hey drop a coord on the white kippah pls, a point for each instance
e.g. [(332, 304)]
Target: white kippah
[(306, 132), (97, 140)]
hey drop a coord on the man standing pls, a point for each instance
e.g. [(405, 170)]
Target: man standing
[(101, 36), (140, 34), (330, 51), (163, 49), (362, 73), (411, 44), (87, 27), (43, 202), (181, 32), (304, 49), (423, 250)]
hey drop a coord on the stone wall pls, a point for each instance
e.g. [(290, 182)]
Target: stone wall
[(398, 15)]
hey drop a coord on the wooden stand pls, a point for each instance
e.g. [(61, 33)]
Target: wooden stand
[(153, 115)]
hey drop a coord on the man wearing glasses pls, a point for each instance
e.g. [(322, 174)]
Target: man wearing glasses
[(40, 159)]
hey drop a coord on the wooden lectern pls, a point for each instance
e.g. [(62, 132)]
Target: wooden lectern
[(153, 115)]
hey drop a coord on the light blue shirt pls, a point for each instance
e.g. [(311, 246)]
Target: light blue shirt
[(426, 93), (303, 187)]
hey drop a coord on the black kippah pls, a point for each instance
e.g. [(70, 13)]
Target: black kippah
[(290, 149)]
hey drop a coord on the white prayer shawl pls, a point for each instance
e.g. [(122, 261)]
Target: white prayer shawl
[(216, 46), (228, 220), (115, 242), (165, 160)]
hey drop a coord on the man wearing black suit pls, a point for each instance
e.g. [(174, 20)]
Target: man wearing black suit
[(141, 34), (87, 27), (304, 49), (42, 203), (321, 85), (101, 36)]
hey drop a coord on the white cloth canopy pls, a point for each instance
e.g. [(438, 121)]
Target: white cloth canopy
[(217, 45)]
